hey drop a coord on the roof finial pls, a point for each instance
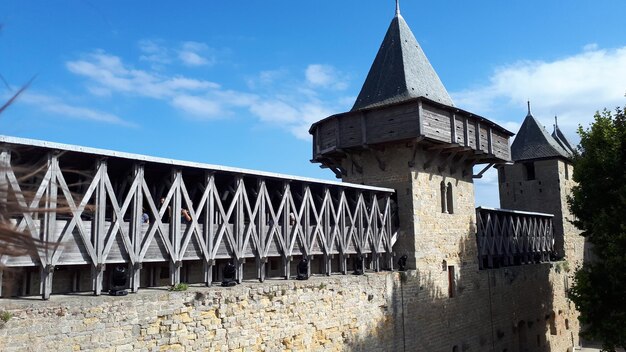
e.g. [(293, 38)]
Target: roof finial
[(397, 7), (528, 102), (556, 124)]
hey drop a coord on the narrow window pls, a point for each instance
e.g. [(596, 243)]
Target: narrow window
[(444, 207), (529, 171), (566, 171), (451, 282), (449, 199)]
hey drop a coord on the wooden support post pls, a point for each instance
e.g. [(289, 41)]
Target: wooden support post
[(1, 275), (207, 268), (261, 230), (286, 231), (389, 209), (209, 229), (306, 218), (50, 227), (326, 203), (343, 261), (175, 272), (136, 226), (97, 276), (239, 226), (175, 229), (45, 284), (239, 265), (100, 231), (360, 209)]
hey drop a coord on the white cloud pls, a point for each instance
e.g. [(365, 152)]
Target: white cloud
[(108, 73), (590, 47), (276, 111), (57, 106), (267, 78), (290, 104), (199, 106), (326, 76), (195, 54), (572, 87), (154, 53)]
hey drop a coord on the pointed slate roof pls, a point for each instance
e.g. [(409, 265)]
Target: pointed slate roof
[(560, 138), (534, 142), (400, 71)]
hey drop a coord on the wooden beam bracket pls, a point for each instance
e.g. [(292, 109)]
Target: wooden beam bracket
[(480, 174)]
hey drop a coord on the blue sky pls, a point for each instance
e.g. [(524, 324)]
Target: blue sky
[(238, 83)]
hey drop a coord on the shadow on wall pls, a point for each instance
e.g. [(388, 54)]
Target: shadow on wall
[(460, 308)]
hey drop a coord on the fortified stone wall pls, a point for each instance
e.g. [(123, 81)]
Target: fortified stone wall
[(518, 308), (493, 310), (427, 234), (546, 193)]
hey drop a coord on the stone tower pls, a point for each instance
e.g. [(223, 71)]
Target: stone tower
[(405, 133), (540, 179)]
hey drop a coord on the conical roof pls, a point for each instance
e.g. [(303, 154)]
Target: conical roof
[(560, 138), (400, 71), (534, 142)]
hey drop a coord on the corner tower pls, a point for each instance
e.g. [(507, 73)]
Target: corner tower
[(540, 179), (404, 133)]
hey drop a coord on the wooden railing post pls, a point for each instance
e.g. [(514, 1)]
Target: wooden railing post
[(175, 229), (261, 222), (306, 218), (239, 226), (136, 226), (286, 230), (99, 231), (49, 228), (326, 204), (209, 229), (343, 262)]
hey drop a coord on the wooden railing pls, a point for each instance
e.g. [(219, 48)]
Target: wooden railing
[(235, 214), (508, 237)]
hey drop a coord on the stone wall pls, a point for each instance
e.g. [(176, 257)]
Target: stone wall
[(492, 310), (546, 193)]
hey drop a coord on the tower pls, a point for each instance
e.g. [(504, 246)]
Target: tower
[(405, 133), (540, 179)]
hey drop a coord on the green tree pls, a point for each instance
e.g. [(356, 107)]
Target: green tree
[(598, 203)]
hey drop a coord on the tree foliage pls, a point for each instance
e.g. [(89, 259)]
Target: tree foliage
[(598, 203)]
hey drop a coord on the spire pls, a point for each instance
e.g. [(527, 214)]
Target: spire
[(400, 71), (529, 114), (534, 142)]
